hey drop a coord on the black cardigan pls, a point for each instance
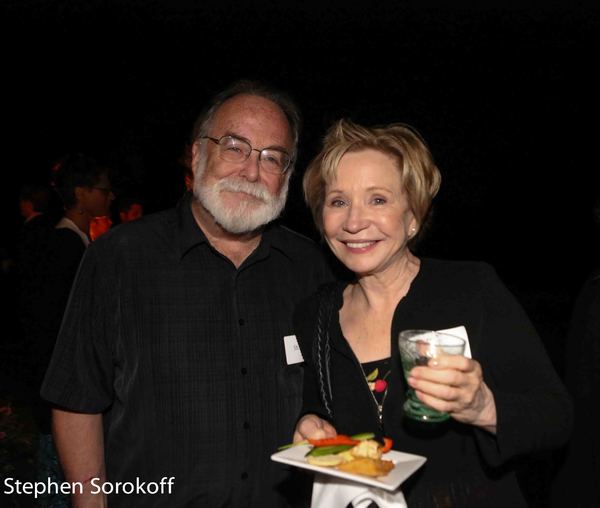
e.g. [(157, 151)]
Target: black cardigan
[(466, 466)]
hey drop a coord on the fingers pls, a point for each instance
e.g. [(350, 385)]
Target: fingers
[(448, 389), (457, 362), (455, 385), (449, 370), (430, 377), (435, 403), (435, 390), (444, 398), (312, 427), (329, 429)]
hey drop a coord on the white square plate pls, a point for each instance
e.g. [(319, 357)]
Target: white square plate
[(405, 464)]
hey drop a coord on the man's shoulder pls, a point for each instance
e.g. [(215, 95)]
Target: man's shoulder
[(142, 233)]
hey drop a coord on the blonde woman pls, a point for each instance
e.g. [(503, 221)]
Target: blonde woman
[(370, 192)]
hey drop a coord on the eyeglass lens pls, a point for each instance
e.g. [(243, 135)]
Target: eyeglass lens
[(237, 150)]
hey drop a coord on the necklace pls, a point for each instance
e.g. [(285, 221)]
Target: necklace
[(378, 385)]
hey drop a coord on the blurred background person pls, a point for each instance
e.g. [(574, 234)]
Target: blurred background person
[(576, 483), (84, 187), (99, 226), (33, 202), (31, 252), (130, 207)]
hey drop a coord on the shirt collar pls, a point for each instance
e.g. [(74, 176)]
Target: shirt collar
[(190, 234), (272, 237), (188, 231), (66, 223)]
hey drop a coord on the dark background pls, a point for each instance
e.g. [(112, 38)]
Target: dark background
[(506, 95)]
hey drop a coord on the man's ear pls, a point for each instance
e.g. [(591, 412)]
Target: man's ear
[(195, 154)]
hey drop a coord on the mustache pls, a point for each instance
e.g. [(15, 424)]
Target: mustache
[(233, 184)]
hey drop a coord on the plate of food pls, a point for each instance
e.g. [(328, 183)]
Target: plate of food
[(359, 458)]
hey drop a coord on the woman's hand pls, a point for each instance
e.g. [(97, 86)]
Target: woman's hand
[(454, 384), (312, 427)]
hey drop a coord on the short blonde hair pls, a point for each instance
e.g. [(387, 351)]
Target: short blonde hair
[(419, 175)]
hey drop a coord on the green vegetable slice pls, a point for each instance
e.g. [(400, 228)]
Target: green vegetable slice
[(363, 436), (317, 451)]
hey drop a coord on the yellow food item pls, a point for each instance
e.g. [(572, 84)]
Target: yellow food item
[(346, 456), (364, 459), (367, 466), (325, 460), (368, 448)]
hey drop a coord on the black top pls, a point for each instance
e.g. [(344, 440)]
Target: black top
[(577, 481), (48, 261), (63, 256), (184, 353), (32, 258), (466, 466), (65, 253), (32, 247)]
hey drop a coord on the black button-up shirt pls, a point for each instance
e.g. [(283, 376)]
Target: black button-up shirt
[(184, 354)]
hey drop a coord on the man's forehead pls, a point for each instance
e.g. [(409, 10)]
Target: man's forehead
[(240, 102), (251, 115)]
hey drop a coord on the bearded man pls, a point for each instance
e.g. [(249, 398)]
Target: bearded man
[(171, 361)]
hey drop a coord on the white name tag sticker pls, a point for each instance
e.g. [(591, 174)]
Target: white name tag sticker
[(292, 350)]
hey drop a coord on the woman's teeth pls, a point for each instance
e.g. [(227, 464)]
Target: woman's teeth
[(359, 245)]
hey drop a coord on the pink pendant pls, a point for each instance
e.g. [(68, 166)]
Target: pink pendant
[(380, 385)]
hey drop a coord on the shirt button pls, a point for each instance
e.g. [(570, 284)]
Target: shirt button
[(244, 475), (246, 425), (244, 371), (241, 322)]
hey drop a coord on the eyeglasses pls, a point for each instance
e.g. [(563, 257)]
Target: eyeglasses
[(106, 190), (232, 149)]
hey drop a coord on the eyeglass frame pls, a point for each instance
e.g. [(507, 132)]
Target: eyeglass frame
[(106, 190), (217, 141)]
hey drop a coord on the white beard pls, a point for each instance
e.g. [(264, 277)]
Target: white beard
[(246, 216)]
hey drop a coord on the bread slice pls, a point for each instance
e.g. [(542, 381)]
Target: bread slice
[(367, 466)]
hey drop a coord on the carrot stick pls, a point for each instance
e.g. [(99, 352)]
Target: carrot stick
[(387, 445), (340, 439)]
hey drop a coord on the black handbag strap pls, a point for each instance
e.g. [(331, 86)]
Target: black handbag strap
[(321, 345)]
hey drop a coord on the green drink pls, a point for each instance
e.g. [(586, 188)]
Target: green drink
[(417, 347)]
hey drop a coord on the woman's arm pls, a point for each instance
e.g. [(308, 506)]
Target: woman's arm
[(534, 410)]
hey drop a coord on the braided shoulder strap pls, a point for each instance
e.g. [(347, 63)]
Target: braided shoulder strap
[(321, 344)]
